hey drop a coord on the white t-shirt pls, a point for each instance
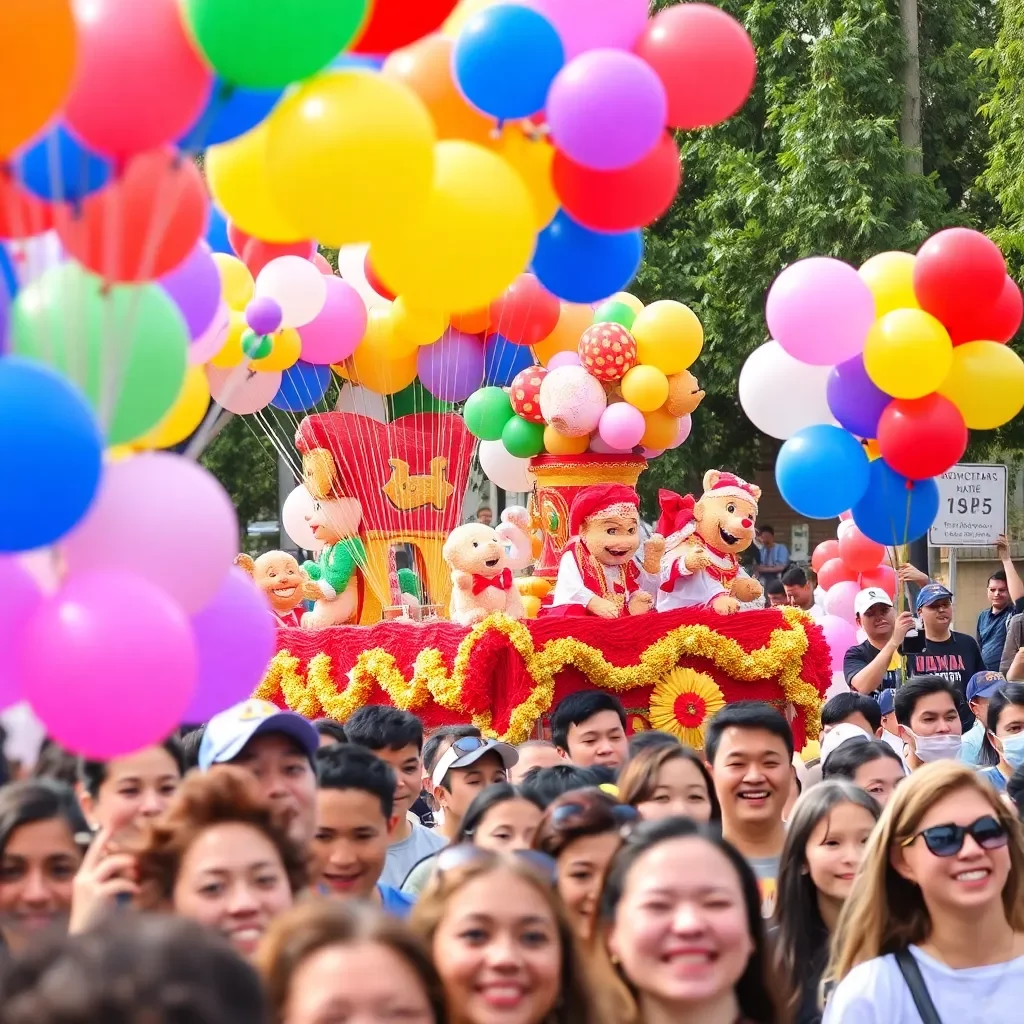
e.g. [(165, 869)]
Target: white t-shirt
[(876, 993)]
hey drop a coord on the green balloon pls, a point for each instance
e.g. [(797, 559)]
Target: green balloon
[(522, 438), (612, 312), (486, 413), (415, 398), (262, 44), (257, 346), (125, 346)]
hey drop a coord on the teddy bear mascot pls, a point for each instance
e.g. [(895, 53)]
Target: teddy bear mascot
[(335, 522), (700, 567), (284, 584), (482, 560), (597, 573)]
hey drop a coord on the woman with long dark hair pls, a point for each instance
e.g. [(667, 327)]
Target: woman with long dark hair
[(1003, 746), (666, 780)]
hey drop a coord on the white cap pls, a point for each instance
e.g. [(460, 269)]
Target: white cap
[(840, 734), (866, 598)]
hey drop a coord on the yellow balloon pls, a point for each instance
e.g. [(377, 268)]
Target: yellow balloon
[(231, 352), (890, 276), (573, 320), (662, 429), (628, 299), (669, 336), (533, 160), (645, 387), (531, 605), (351, 156), (474, 237), (120, 452), (380, 340), (238, 176), (558, 444), (908, 353), (185, 415), (236, 283), (379, 376), (285, 353), (986, 383), (415, 327)]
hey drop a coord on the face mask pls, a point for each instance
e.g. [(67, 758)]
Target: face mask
[(1013, 750), (937, 748)]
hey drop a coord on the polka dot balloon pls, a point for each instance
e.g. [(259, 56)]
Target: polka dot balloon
[(607, 350), (524, 393)]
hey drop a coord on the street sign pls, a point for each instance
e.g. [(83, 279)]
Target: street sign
[(972, 507)]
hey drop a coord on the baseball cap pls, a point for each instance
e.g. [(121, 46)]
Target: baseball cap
[(984, 684), (932, 592), (467, 750), (227, 733), (886, 701), (842, 733), (868, 597)]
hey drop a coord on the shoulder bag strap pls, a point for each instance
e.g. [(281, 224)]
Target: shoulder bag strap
[(918, 989)]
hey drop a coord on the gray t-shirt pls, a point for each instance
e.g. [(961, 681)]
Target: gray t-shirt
[(405, 854), (767, 871)]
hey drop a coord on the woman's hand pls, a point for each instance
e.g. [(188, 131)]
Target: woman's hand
[(104, 878)]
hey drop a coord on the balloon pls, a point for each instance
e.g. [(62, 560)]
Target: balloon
[(504, 470), (141, 226), (302, 387), (235, 638), (532, 159), (997, 322), (840, 599), (212, 340), (59, 168), (890, 276), (237, 284), (232, 352), (825, 551), (606, 109), (337, 329), (660, 430), (195, 288), (263, 315), (895, 510), (608, 351), (229, 112), (44, 421), (152, 511), (615, 312), (185, 416), (860, 553), (564, 359), (986, 383), (580, 265), (298, 287), (381, 376), (264, 45), (922, 437), (840, 636), (295, 513), (621, 426), (505, 60), (522, 438), (476, 200), (821, 471), (19, 600), (628, 300), (486, 413), (416, 327), (598, 446), (704, 58), (476, 321), (217, 232), (572, 401), (819, 310), (668, 336), (618, 200), (908, 353), (321, 264), (453, 367), (394, 23), (833, 572), (86, 650), (527, 313), (413, 399), (285, 349), (591, 24), (854, 400), (573, 320), (380, 337), (256, 254), (503, 360), (770, 371), (558, 444), (22, 215), (124, 346), (882, 576), (685, 424), (139, 82), (241, 390), (375, 282)]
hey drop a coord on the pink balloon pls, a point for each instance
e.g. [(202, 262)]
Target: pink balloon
[(211, 341), (20, 597), (590, 24), (110, 664), (840, 637), (235, 636), (140, 82), (883, 576), (165, 518), (621, 426), (241, 390), (839, 600), (338, 328), (685, 426), (603, 448), (820, 310), (652, 453), (564, 359), (322, 265)]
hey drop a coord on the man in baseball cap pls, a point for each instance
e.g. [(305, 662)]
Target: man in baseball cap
[(980, 688), (875, 664)]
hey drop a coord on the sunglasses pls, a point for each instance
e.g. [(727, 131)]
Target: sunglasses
[(621, 814), (462, 854), (948, 840)]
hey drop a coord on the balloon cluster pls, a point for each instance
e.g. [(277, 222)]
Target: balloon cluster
[(874, 376)]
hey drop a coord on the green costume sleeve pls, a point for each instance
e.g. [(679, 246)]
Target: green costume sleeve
[(409, 583), (340, 561), (312, 571)]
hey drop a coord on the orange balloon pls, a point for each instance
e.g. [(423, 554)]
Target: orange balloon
[(476, 321), (37, 54), (572, 322), (426, 68), (533, 159)]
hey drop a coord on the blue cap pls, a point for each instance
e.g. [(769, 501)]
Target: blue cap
[(984, 684), (885, 702), (932, 592), (227, 733)]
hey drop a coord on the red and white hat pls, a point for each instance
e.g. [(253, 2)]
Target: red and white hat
[(729, 485), (612, 499)]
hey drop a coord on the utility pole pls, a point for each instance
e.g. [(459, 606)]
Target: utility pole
[(910, 121)]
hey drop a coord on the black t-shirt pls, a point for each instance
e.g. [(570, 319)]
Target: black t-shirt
[(955, 659), (861, 656)]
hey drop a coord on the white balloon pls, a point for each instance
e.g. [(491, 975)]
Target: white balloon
[(781, 395), (297, 506), (354, 398), (503, 470), (837, 686), (351, 268), (297, 286)]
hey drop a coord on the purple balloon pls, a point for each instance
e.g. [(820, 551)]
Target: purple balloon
[(235, 637), (607, 109), (20, 597), (195, 288), (263, 315), (453, 367), (854, 399)]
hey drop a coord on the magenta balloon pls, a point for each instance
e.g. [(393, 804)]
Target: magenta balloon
[(110, 664), (212, 339), (241, 390), (453, 367), (235, 636), (840, 636), (165, 518), (564, 359), (607, 109), (337, 329), (20, 597), (590, 24), (195, 288)]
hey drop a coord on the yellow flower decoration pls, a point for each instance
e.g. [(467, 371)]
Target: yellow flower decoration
[(683, 703)]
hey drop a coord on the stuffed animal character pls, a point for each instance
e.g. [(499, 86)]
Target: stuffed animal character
[(598, 574), (283, 581), (481, 559), (335, 521), (703, 539), (684, 394)]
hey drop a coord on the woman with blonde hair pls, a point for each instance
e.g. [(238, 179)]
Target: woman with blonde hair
[(666, 780), (936, 914)]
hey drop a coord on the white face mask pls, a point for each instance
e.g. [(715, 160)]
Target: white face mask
[(944, 747)]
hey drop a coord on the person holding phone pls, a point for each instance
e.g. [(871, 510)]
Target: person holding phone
[(877, 663)]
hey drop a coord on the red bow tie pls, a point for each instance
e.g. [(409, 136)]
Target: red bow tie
[(503, 581)]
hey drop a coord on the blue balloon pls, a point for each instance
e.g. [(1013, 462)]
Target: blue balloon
[(895, 510), (856, 402), (229, 112), (302, 387), (357, 61), (503, 360), (59, 167), (580, 265), (505, 59), (8, 289), (217, 232), (822, 471), (44, 422)]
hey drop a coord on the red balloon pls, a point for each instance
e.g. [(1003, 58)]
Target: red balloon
[(375, 282), (22, 214), (922, 437), (256, 254), (881, 576), (619, 200), (143, 224), (824, 552), (526, 314), (858, 552), (705, 60), (998, 322), (395, 23), (834, 571)]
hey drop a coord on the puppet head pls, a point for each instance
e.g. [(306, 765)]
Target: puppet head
[(606, 518), (726, 512), (476, 549), (279, 576), (684, 394), (335, 518)]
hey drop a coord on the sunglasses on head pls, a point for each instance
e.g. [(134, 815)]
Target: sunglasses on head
[(462, 854), (948, 840), (622, 814)]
